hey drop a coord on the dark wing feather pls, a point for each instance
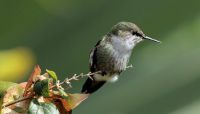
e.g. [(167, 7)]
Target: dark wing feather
[(91, 86), (93, 57)]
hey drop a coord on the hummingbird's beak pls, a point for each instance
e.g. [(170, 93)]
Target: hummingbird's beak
[(148, 38)]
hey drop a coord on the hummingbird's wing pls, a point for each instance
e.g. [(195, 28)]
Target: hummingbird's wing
[(92, 85), (93, 57)]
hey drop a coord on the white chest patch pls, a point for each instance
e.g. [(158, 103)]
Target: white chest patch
[(122, 50), (123, 45), (113, 78)]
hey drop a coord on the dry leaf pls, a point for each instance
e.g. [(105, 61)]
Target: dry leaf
[(32, 79), (61, 104), (75, 99), (14, 94)]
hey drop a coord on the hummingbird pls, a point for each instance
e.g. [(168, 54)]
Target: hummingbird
[(111, 54)]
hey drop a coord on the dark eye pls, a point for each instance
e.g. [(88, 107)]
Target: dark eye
[(136, 33)]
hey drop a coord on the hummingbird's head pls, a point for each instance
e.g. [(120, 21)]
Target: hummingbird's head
[(128, 30)]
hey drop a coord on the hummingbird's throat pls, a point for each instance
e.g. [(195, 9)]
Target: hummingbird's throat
[(136, 39), (125, 44)]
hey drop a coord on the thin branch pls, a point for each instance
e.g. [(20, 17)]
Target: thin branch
[(17, 101), (75, 77), (58, 85)]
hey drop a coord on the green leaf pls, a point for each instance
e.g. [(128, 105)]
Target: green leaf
[(62, 93), (53, 74), (19, 109), (42, 88), (42, 108)]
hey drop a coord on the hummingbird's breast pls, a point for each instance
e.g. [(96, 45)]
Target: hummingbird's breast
[(122, 48), (111, 60), (121, 61)]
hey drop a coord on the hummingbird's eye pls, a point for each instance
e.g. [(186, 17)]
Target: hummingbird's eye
[(136, 33)]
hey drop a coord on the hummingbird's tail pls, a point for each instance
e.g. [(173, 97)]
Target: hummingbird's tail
[(91, 86)]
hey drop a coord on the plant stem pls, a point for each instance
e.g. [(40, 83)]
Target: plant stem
[(19, 100)]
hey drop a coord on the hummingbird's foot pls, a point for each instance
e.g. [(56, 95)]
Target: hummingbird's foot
[(130, 66), (120, 71), (103, 73)]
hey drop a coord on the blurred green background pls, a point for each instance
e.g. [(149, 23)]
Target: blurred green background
[(59, 34)]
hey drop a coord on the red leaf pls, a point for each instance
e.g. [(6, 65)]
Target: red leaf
[(32, 79)]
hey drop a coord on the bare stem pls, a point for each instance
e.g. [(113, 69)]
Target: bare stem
[(75, 77), (17, 101)]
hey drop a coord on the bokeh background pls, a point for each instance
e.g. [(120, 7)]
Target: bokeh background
[(59, 34)]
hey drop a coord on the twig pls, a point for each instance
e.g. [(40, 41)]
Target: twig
[(58, 85), (75, 77), (19, 100)]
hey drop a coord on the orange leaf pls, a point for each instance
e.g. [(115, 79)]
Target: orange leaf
[(61, 104), (32, 79)]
